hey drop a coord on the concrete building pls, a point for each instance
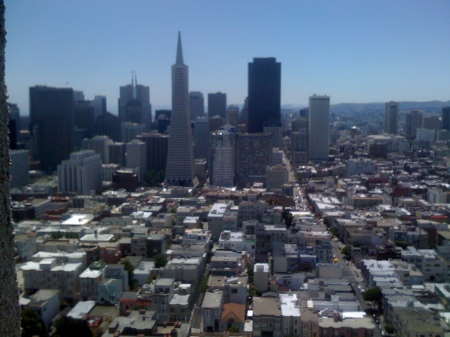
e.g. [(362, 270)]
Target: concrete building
[(45, 302), (217, 105), (117, 153), (100, 145), (108, 124), (277, 176), (319, 128), (391, 118), (222, 158), (180, 157), (201, 137), (20, 166), (212, 310), (196, 104), (82, 173), (253, 154), (130, 131), (137, 157)]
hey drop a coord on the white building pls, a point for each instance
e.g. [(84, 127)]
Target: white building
[(100, 144), (82, 173), (360, 166), (137, 157), (319, 128), (237, 242)]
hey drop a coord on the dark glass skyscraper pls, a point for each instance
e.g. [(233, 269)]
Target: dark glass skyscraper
[(446, 118), (264, 94), (52, 123)]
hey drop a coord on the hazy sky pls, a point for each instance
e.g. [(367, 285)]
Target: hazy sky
[(351, 50)]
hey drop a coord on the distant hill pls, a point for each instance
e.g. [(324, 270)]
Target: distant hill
[(431, 106)]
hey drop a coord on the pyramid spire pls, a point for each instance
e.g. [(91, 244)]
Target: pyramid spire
[(179, 50)]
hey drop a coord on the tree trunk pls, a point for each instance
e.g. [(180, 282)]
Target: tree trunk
[(9, 298)]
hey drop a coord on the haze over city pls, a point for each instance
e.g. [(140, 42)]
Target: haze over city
[(351, 51)]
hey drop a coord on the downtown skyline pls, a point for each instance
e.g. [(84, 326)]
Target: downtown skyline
[(350, 51)]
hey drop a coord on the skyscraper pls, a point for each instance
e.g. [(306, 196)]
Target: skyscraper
[(318, 128), (201, 138), (52, 123), (134, 104), (196, 104), (391, 117), (217, 105), (180, 157), (446, 118), (222, 158), (264, 94), (412, 123)]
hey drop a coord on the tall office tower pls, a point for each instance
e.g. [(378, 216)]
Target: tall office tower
[(162, 120), (215, 123), (264, 94), (431, 123), (222, 158), (318, 128), (304, 112), (412, 123), (100, 145), (180, 157), (446, 118), (201, 138), (82, 173), (233, 115), (20, 167), (52, 122), (391, 117), (299, 142), (137, 157), (253, 154), (13, 125), (108, 124), (117, 153), (196, 104), (157, 147), (99, 104), (130, 131), (277, 134), (84, 117), (134, 104), (217, 105)]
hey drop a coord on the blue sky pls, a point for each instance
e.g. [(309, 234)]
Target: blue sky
[(353, 50)]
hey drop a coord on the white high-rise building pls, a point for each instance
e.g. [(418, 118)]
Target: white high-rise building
[(137, 157), (180, 156), (82, 173), (391, 118), (319, 128), (100, 144)]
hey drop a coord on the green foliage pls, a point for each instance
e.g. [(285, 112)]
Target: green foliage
[(327, 221), (400, 243), (70, 327), (250, 273), (298, 177), (154, 178), (253, 291), (204, 284), (288, 218), (389, 328), (130, 269), (160, 260), (334, 232), (31, 324), (373, 295), (345, 250), (234, 329)]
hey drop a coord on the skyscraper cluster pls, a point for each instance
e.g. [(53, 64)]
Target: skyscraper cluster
[(232, 146)]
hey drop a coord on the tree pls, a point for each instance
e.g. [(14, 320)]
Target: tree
[(160, 260), (130, 269), (234, 329), (389, 328), (70, 327), (373, 295), (9, 295), (345, 250), (401, 244), (31, 324)]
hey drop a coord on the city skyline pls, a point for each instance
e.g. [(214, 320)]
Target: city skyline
[(351, 51)]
